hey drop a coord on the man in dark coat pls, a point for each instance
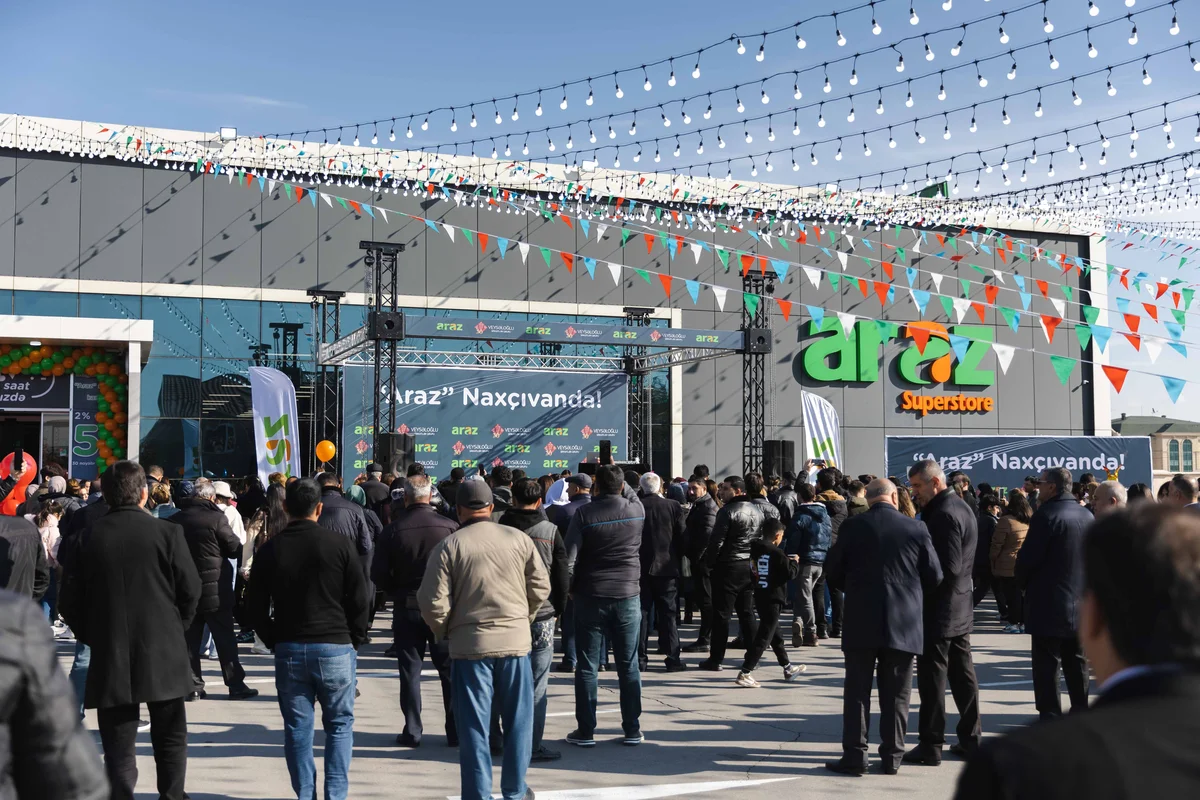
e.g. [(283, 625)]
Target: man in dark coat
[(398, 568), (662, 550), (502, 481), (23, 565), (1138, 739), (212, 544), (886, 565), (949, 616), (835, 504), (134, 592), (45, 752), (728, 555), (1050, 568), (377, 492), (579, 490), (981, 572), (345, 517), (697, 531), (785, 499)]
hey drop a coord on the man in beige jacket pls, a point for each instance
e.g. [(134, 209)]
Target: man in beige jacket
[(482, 588)]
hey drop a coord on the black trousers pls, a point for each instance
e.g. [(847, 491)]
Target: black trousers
[(948, 659), (1014, 600), (835, 602), (168, 736), (892, 670), (733, 589), (662, 595), (703, 594), (1048, 653), (220, 624), (768, 634), (413, 637)]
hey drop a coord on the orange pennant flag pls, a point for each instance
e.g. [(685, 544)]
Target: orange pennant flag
[(786, 307), (1152, 310), (762, 264), (1175, 298), (1162, 289), (920, 335), (1134, 340), (1132, 321), (1049, 324), (990, 291), (299, 193), (649, 237), (666, 283), (979, 309), (569, 260), (881, 291), (1003, 257), (483, 240), (1125, 278), (941, 239), (817, 232), (1044, 288), (566, 220), (1116, 376), (747, 261), (887, 269), (802, 238)]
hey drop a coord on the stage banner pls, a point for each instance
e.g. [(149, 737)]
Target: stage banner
[(276, 423), (824, 431), (1005, 461), (540, 421)]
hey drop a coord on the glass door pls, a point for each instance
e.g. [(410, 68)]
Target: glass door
[(56, 441)]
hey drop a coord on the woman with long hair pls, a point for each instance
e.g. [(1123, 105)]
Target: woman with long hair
[(1010, 534), (269, 520), (904, 501), (46, 520)]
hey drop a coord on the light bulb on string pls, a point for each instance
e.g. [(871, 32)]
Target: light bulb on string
[(647, 85), (708, 111), (550, 144), (908, 102), (700, 148), (827, 88), (942, 92), (671, 80), (1053, 62), (891, 140), (356, 137), (1075, 98), (765, 99), (796, 125), (666, 122), (879, 107), (375, 136), (954, 51), (525, 148), (753, 169), (720, 141), (1012, 73), (1003, 33), (1146, 79), (913, 19), (591, 98), (637, 156), (409, 131), (974, 127), (633, 127), (591, 136), (900, 64), (854, 76), (570, 142), (838, 157), (800, 43), (392, 132), (762, 50), (1174, 29), (821, 117), (748, 137), (813, 157), (686, 117), (538, 111), (850, 116), (1092, 51), (611, 133), (425, 124), (1133, 36), (837, 32), (979, 77), (696, 70), (770, 134), (796, 93), (920, 138), (741, 48), (1093, 10), (619, 93)]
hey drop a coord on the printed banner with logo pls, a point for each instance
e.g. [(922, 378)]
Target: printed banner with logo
[(824, 431), (540, 421), (1005, 461), (276, 423)]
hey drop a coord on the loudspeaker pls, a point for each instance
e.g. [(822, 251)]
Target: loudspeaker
[(396, 452), (758, 340), (385, 325), (605, 450), (779, 456)]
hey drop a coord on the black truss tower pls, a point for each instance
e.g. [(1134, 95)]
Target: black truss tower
[(639, 394), (384, 258), (327, 380), (754, 370)]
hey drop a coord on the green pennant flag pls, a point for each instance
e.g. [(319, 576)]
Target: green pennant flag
[(287, 190), (832, 237), (886, 329), (1091, 314), (1010, 316), (467, 233), (658, 213), (751, 301), (625, 232), (854, 280), (644, 274), (978, 269), (900, 254), (1182, 261), (896, 231), (1063, 367), (1022, 256), (724, 256), (663, 236), (834, 277), (1187, 297), (783, 241), (1069, 292), (1084, 332), (342, 202), (1180, 317), (953, 243), (966, 287), (947, 306), (546, 255), (1102, 238)]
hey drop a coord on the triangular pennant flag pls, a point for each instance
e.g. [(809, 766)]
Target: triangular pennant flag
[(1059, 305), (428, 222), (884, 328), (1020, 280), (1049, 324), (780, 267), (817, 314), (1175, 331), (920, 335), (921, 298), (1101, 334), (502, 245), (833, 279), (887, 269), (881, 291), (720, 292), (911, 274), (1043, 287), (1063, 367), (747, 260), (643, 274), (947, 305), (1004, 355), (1068, 291), (751, 301), (842, 257), (1123, 305), (990, 291), (625, 233), (1011, 316), (467, 234), (696, 250), (960, 345), (961, 306), (483, 240), (524, 248), (545, 251), (1133, 321), (569, 260), (846, 321), (615, 271), (1152, 310), (584, 225), (724, 256), (1083, 333), (1091, 314), (785, 306), (937, 281), (590, 265), (1025, 298), (1174, 387), (979, 309), (449, 230), (672, 248), (693, 288), (1134, 340), (813, 275), (1153, 349), (1178, 348), (649, 237), (665, 280), (1116, 375)]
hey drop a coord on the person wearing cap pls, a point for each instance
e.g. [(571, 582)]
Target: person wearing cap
[(482, 590), (579, 492), (378, 494), (214, 548)]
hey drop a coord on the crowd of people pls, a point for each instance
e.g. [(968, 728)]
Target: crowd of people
[(481, 571)]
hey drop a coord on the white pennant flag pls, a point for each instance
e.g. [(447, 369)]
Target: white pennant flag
[(1153, 348), (767, 238), (449, 230), (382, 211), (696, 250), (328, 200), (270, 186), (600, 229), (961, 306), (843, 257), (999, 276), (720, 292), (1060, 306), (524, 248), (813, 275), (615, 271), (916, 248), (847, 322), (849, 239), (1004, 355), (937, 281)]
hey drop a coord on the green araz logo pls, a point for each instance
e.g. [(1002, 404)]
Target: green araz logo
[(279, 443)]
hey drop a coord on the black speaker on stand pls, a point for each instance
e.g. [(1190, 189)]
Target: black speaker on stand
[(396, 452), (779, 456)]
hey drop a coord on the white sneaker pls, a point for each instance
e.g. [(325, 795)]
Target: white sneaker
[(746, 681), (143, 725), (63, 633), (260, 649), (792, 670)]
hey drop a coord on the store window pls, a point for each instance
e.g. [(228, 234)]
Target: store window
[(1187, 455), (1173, 455)]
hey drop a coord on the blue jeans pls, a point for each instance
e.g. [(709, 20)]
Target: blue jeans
[(305, 672), (621, 622), (540, 659), (475, 684), (79, 671)]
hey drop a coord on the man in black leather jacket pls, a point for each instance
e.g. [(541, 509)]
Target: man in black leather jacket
[(738, 522), (45, 752), (345, 517), (785, 499), (756, 490), (696, 534)]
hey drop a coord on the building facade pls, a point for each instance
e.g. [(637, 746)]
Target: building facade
[(1174, 444)]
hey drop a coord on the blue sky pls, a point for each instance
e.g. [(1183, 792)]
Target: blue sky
[(269, 68)]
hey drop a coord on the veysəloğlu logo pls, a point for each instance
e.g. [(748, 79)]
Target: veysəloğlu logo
[(403, 428), (458, 448), (480, 328), (571, 331), (587, 431), (550, 448), (497, 431), (655, 335)]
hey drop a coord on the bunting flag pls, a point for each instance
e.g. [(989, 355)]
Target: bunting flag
[(813, 275), (921, 298), (1011, 316), (781, 268), (720, 292), (961, 307), (1151, 310), (1063, 367), (960, 345), (696, 250), (449, 230), (1101, 334), (693, 289), (1174, 387), (1049, 324), (615, 271), (846, 320), (1004, 355), (1084, 334), (1153, 349), (569, 260), (1091, 314), (881, 291), (751, 302), (920, 335), (524, 248), (643, 274), (546, 256), (817, 314), (1116, 376), (724, 256), (785, 306), (990, 291), (937, 281), (911, 274), (1134, 340), (590, 265)]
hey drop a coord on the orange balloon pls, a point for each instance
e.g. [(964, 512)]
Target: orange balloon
[(120, 417), (68, 362), (89, 371), (110, 425), (57, 370), (326, 450), (122, 378), (110, 460), (4, 348), (116, 406), (77, 352), (24, 362), (13, 368), (87, 351), (119, 434), (102, 368), (101, 416)]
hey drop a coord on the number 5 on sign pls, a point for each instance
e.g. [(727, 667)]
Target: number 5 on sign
[(85, 441)]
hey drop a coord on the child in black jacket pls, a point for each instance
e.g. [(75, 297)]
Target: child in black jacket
[(773, 569)]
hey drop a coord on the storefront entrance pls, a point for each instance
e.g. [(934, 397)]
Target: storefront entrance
[(44, 436)]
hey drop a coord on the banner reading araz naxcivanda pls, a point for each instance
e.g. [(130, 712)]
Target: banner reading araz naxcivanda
[(276, 423), (824, 431), (1005, 461)]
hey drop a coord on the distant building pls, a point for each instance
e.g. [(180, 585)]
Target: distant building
[(1174, 444)]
